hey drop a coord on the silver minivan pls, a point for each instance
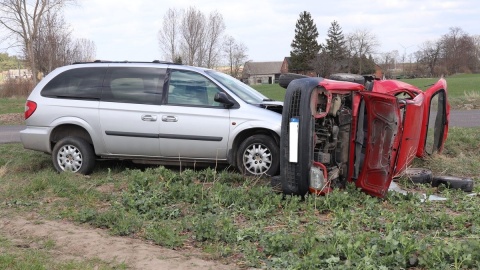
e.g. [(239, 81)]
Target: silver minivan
[(151, 112)]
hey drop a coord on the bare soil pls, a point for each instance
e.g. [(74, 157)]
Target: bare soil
[(12, 119), (73, 242)]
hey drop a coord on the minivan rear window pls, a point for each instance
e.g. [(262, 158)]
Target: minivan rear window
[(79, 83)]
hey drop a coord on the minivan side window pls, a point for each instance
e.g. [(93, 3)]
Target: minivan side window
[(79, 83), (191, 89), (138, 85)]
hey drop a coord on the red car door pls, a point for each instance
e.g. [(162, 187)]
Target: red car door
[(412, 112), (436, 113), (380, 140)]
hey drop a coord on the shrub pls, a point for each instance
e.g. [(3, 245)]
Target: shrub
[(16, 88)]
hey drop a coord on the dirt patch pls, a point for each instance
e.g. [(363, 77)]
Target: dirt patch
[(12, 119), (79, 242)]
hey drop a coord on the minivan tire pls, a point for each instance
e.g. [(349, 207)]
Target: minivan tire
[(258, 155), (73, 154)]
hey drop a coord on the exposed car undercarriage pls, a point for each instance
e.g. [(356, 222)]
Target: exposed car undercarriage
[(332, 134)]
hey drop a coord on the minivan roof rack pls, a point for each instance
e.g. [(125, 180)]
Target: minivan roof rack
[(126, 61)]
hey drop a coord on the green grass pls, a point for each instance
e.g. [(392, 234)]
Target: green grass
[(244, 221), (273, 91), (12, 105), (458, 85)]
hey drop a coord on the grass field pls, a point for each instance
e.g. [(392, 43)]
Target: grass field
[(458, 85), (12, 105), (243, 220)]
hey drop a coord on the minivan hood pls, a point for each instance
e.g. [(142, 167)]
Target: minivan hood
[(274, 106)]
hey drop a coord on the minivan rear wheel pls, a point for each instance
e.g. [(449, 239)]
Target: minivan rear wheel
[(258, 155), (73, 154)]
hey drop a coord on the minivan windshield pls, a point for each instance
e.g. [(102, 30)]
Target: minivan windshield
[(243, 91)]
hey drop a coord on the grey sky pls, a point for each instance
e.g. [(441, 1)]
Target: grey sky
[(127, 30)]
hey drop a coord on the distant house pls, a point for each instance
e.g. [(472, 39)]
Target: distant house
[(269, 72), (17, 74), (261, 72)]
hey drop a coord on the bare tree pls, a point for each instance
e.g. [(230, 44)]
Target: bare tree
[(476, 42), (193, 31), (430, 55), (235, 53), (53, 38), (55, 47), (387, 61), (189, 35), (168, 35), (23, 19), (323, 63), (458, 50), (361, 43), (215, 29), (84, 50)]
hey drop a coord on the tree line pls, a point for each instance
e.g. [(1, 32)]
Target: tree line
[(188, 36), (45, 40), (454, 52), (351, 53), (356, 52)]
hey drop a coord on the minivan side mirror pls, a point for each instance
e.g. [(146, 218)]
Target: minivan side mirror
[(221, 97)]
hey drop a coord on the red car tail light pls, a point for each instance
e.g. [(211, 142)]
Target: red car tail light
[(30, 108)]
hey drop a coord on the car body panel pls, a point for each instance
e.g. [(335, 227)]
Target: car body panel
[(381, 128), (392, 86), (383, 115), (130, 129), (436, 116), (412, 126), (194, 132), (139, 124)]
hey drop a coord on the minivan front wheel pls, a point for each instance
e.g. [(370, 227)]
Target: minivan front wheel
[(73, 154), (258, 155)]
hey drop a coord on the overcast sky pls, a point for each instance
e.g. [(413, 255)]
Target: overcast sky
[(127, 29)]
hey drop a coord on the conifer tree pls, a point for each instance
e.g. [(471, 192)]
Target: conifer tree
[(304, 45), (336, 43)]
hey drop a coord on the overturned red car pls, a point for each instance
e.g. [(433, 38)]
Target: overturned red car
[(353, 128)]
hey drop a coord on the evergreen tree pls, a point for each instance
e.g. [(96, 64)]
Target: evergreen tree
[(336, 46), (362, 65), (304, 46), (178, 60)]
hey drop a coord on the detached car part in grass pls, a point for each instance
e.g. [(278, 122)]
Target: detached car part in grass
[(359, 129)]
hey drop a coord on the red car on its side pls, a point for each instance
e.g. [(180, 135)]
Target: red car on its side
[(357, 129)]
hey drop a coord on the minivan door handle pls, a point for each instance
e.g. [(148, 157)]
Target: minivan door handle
[(169, 118), (149, 118)]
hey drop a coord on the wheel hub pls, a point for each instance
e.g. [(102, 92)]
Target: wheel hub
[(69, 158), (257, 159)]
